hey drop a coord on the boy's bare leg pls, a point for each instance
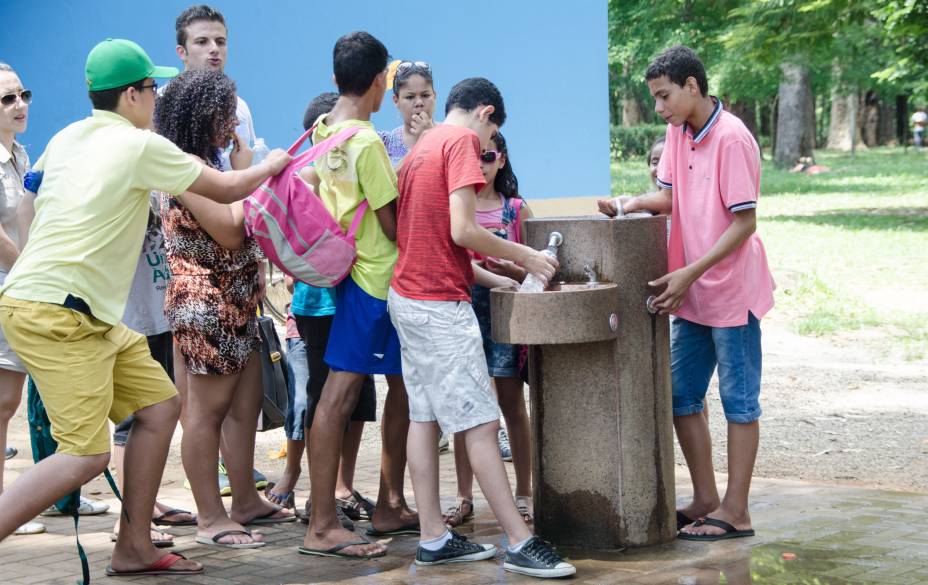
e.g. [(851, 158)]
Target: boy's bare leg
[(742, 451), (392, 512), (339, 398), (118, 459), (292, 468), (238, 447), (422, 451), (512, 403), (351, 444), (462, 469), (146, 455), (483, 451), (43, 484), (693, 433)]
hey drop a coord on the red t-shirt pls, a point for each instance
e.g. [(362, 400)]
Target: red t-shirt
[(431, 266)]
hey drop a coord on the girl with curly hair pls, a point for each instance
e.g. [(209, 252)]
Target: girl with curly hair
[(211, 304)]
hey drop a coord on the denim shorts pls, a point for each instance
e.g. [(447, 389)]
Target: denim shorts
[(444, 367), (696, 350), (502, 358), (298, 368)]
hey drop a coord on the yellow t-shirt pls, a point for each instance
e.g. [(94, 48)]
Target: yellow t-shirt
[(350, 173), (91, 212)]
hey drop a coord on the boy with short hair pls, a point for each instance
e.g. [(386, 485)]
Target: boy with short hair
[(62, 302), (718, 285), (444, 365), (362, 341)]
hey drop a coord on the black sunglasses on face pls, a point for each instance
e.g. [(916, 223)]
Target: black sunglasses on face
[(10, 98), (490, 156)]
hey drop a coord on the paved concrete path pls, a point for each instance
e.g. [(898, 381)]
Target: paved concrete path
[(839, 535)]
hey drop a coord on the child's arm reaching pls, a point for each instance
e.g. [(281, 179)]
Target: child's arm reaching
[(468, 234), (679, 281), (484, 277), (659, 202)]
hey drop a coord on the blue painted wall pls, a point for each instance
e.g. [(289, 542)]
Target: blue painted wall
[(547, 56)]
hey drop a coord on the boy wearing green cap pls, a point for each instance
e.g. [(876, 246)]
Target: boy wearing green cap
[(61, 305)]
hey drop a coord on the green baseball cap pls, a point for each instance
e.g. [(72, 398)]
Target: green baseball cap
[(118, 62)]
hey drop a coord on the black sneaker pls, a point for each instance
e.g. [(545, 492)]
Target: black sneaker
[(456, 550), (538, 559)]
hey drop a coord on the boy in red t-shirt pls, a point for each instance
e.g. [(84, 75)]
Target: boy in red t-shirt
[(444, 366)]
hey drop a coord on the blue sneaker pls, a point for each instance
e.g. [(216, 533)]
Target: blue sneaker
[(456, 550), (505, 451), (538, 559)]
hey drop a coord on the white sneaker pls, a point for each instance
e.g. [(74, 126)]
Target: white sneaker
[(30, 528), (443, 443), (87, 507)]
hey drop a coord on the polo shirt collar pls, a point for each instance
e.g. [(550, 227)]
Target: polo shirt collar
[(6, 155), (713, 118)]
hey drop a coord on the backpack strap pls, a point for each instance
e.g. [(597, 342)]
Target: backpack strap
[(317, 150), (358, 215)]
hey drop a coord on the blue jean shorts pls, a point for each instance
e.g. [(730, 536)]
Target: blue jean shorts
[(696, 350), (502, 358), (298, 368)]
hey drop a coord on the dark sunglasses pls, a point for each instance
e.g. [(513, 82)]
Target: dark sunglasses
[(490, 156), (405, 65), (153, 87), (10, 98)]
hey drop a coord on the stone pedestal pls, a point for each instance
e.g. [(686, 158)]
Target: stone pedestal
[(601, 409)]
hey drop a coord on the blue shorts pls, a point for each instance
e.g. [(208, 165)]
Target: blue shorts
[(696, 349), (298, 368), (362, 339), (502, 358)]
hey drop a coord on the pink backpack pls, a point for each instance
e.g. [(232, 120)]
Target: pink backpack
[(292, 226)]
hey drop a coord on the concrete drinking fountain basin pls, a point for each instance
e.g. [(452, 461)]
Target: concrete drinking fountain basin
[(599, 371), (565, 313)]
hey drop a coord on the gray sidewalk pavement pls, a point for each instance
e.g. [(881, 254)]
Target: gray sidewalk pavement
[(806, 534)]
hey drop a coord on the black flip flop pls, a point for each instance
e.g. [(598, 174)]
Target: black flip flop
[(335, 551), (160, 519), (408, 529), (730, 531), (683, 520)]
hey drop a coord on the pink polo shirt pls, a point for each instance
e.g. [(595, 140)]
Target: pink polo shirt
[(714, 175)]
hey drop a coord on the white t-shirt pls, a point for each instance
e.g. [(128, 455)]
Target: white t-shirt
[(145, 307)]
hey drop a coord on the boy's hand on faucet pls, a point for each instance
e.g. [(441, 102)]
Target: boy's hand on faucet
[(678, 283), (617, 206), (541, 265)]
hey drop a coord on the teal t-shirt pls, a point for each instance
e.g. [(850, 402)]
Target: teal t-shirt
[(312, 301)]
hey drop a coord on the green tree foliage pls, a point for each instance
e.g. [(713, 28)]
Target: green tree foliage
[(905, 26)]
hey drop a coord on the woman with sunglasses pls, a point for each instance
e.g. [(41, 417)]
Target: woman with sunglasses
[(414, 97), (501, 210), (14, 162)]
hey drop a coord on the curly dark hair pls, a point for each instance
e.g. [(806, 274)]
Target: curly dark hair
[(197, 113)]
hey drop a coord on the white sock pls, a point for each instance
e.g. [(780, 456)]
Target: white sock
[(518, 546), (436, 543)]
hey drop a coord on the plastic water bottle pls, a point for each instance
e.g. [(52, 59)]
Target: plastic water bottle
[(532, 283)]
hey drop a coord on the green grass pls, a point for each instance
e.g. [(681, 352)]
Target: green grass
[(848, 248)]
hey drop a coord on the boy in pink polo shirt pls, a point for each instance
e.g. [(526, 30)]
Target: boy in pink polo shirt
[(718, 285)]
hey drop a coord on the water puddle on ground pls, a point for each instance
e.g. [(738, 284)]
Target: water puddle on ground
[(784, 564)]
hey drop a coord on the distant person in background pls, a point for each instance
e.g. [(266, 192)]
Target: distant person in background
[(14, 162), (202, 43), (919, 123)]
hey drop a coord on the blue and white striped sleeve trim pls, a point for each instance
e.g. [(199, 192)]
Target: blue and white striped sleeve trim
[(664, 184), (742, 206)]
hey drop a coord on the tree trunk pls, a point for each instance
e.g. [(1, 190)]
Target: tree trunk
[(870, 123), (631, 112), (902, 120), (807, 145), (887, 136), (844, 120), (746, 112), (793, 118)]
